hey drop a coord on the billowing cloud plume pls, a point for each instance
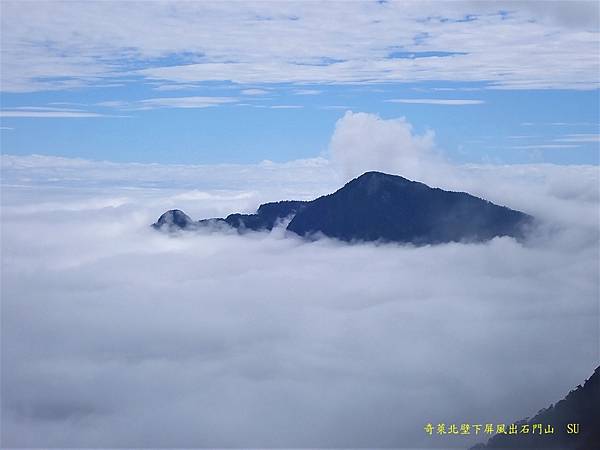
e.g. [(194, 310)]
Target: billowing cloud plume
[(363, 142)]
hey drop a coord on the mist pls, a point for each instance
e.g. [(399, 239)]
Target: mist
[(115, 335)]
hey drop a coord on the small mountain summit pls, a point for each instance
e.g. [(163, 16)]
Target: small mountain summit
[(378, 207), (173, 219)]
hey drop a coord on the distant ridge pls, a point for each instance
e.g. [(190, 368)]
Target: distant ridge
[(266, 218), (377, 207)]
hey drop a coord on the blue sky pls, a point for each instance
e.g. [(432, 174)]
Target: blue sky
[(206, 83)]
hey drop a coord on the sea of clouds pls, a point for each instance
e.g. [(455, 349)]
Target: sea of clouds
[(115, 335)]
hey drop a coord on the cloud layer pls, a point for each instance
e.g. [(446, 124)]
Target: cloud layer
[(516, 45), (114, 335)]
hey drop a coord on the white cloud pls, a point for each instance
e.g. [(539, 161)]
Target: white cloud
[(307, 92), (335, 107), (286, 106), (48, 114), (579, 137), (254, 91), (175, 87), (308, 177), (544, 146), (169, 102), (137, 339), (572, 13), (360, 142), (391, 146), (46, 108), (574, 124), (463, 89), (559, 124), (436, 101), (113, 104), (183, 102), (62, 45)]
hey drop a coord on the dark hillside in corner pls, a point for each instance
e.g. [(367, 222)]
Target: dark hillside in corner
[(581, 406), (377, 207)]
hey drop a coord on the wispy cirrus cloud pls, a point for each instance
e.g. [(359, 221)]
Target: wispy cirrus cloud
[(286, 106), (306, 92), (334, 107), (39, 112), (175, 87), (544, 146), (559, 124), (254, 91), (436, 101), (183, 102), (579, 137), (573, 140), (77, 110), (168, 102)]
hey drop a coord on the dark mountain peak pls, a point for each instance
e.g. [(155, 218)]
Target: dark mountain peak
[(174, 219), (375, 175), (376, 180), (380, 207), (380, 185)]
